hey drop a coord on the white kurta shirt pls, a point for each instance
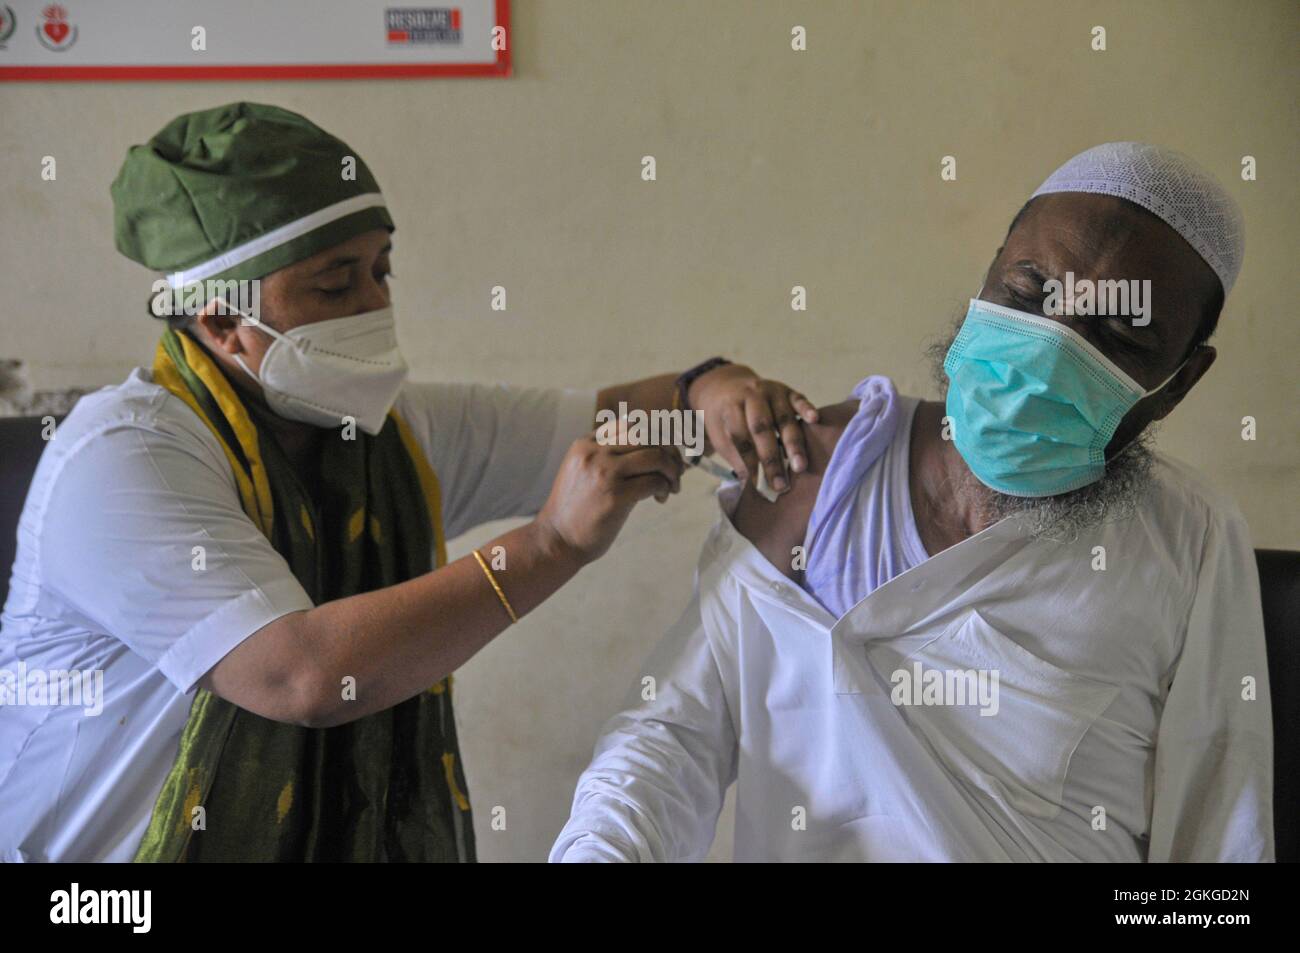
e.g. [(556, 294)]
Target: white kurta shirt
[(105, 580), (1091, 755)]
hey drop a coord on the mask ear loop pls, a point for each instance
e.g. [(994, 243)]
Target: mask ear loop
[(1159, 387), (252, 322), (1177, 371)]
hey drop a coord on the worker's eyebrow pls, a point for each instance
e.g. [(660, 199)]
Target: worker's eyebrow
[(347, 260), (337, 263)]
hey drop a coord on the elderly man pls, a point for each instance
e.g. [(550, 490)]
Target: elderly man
[(999, 628), (246, 540)]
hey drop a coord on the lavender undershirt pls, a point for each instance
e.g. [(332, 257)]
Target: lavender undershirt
[(862, 532)]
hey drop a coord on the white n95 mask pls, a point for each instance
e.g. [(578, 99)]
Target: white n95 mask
[(323, 372)]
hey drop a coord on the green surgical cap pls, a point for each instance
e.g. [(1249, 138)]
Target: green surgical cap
[(239, 191)]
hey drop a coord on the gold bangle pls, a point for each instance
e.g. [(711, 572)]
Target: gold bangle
[(492, 579)]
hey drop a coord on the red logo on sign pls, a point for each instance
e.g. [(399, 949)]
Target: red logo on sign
[(56, 33)]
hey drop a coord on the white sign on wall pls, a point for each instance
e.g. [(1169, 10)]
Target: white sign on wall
[(252, 39)]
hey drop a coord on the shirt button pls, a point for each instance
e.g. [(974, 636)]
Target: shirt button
[(723, 544), (918, 586), (780, 589)]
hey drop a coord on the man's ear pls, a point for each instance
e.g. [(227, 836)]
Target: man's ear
[(219, 328), (1200, 362)]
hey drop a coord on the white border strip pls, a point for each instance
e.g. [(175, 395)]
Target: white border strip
[(275, 238)]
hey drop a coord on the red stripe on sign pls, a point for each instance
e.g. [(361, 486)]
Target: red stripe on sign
[(398, 36), (455, 18), (295, 71)]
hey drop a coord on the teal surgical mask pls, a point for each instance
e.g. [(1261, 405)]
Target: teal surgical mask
[(1031, 403)]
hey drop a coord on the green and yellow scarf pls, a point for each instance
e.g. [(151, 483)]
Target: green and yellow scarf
[(386, 787)]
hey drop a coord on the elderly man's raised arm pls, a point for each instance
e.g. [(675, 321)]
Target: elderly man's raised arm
[(655, 786), (1213, 798)]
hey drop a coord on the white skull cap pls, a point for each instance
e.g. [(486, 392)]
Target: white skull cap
[(1171, 186)]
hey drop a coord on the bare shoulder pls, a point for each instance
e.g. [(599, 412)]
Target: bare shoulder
[(776, 528)]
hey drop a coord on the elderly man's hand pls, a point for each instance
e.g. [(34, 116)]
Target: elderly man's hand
[(744, 415)]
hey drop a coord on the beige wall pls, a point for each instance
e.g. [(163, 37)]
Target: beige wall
[(775, 168)]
